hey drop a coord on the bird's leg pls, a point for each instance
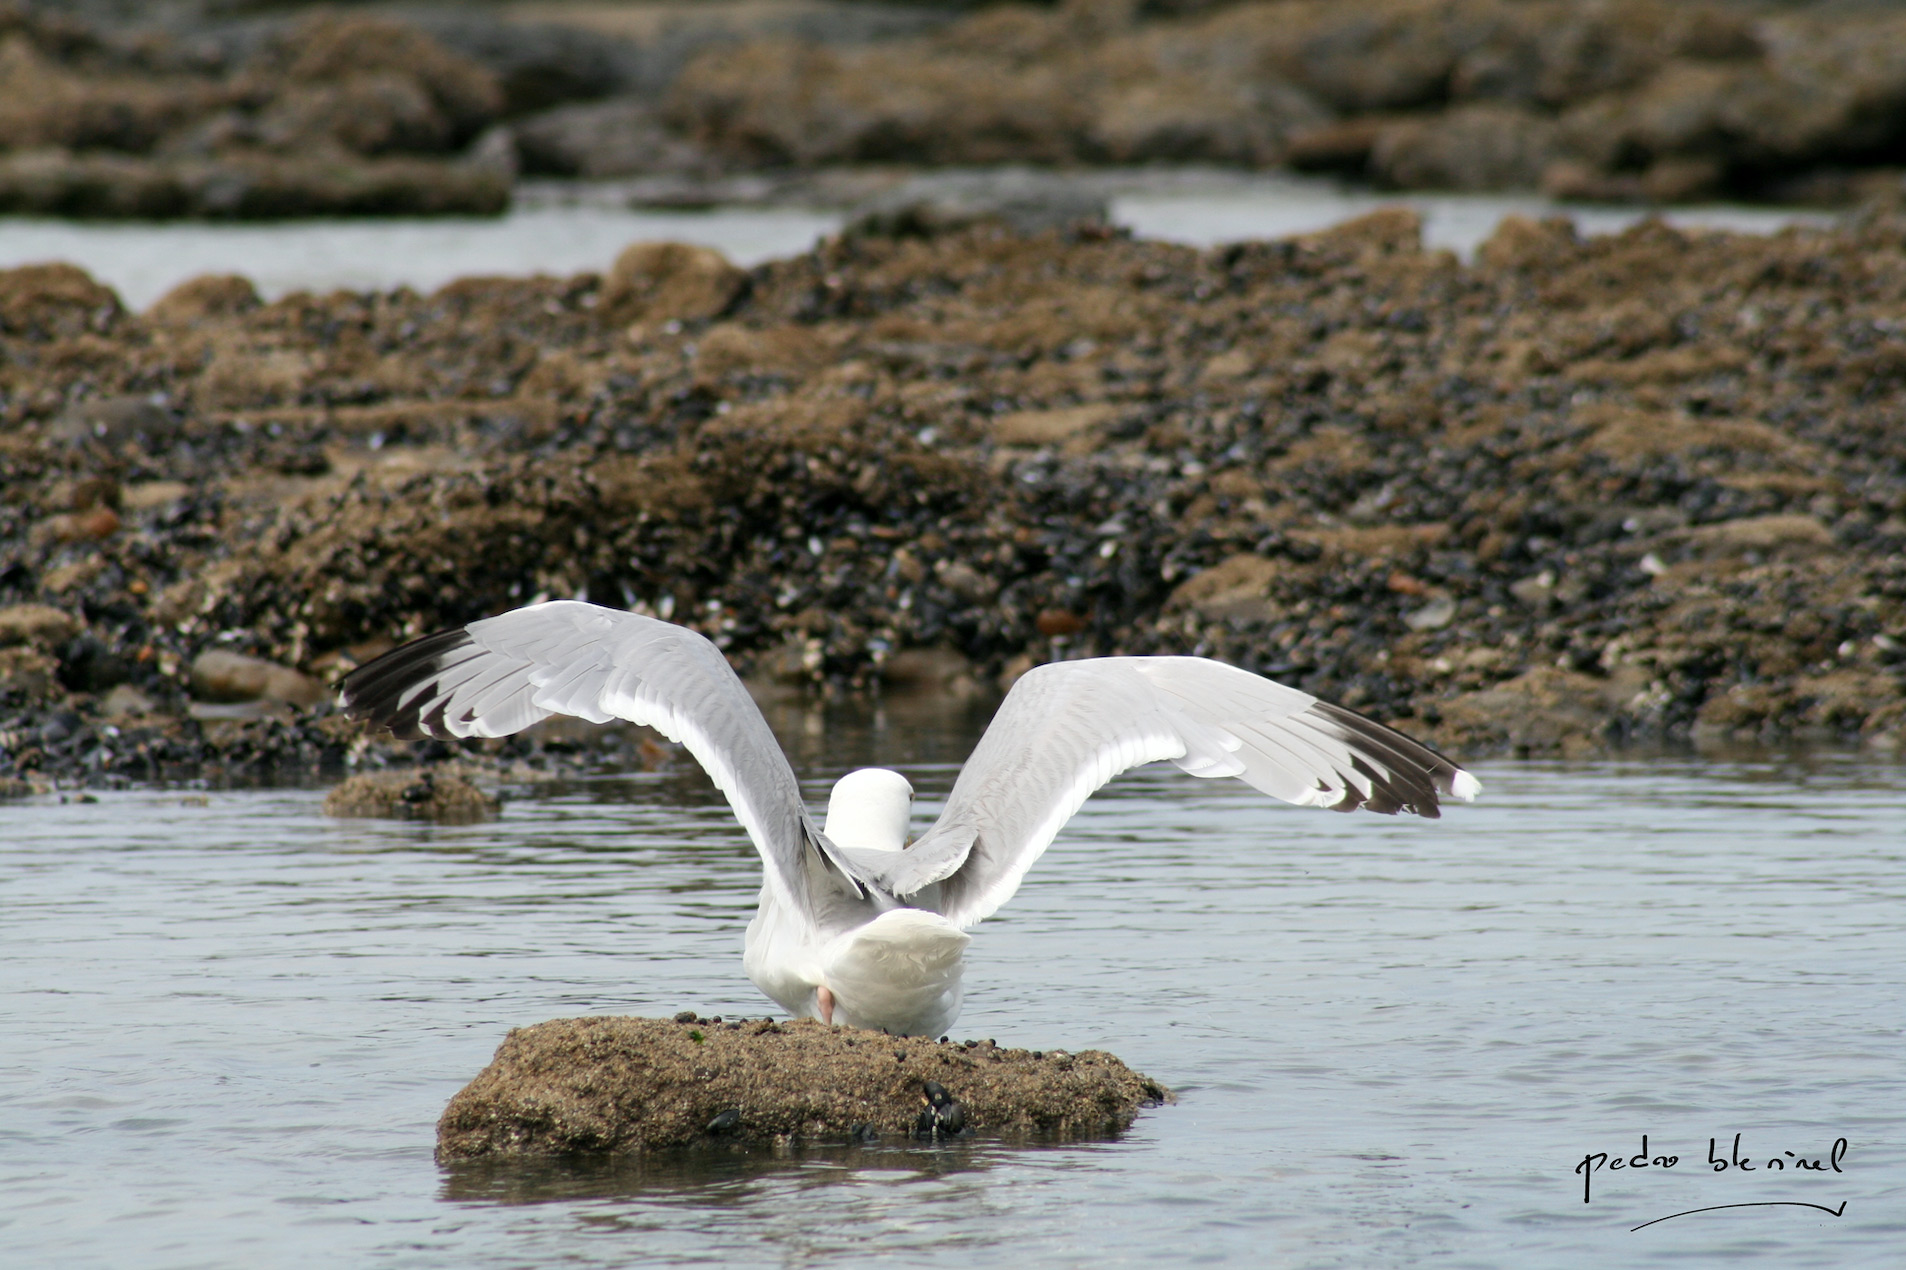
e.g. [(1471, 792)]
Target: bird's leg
[(825, 1000)]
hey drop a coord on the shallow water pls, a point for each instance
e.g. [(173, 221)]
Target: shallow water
[(571, 229), (231, 1024)]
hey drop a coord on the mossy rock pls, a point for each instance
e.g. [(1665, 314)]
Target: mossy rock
[(630, 1085)]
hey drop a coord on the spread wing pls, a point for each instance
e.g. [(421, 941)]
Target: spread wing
[(1067, 728), (502, 674)]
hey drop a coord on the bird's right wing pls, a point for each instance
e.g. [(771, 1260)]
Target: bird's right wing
[(1067, 728), (497, 676)]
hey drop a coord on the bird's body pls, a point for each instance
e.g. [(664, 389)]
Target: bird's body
[(856, 925), (881, 965)]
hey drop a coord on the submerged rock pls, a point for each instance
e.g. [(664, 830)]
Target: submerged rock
[(443, 797), (627, 1085)]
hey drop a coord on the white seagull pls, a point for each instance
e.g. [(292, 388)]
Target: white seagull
[(857, 926)]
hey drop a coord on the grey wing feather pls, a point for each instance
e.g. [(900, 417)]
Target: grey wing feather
[(1067, 728), (498, 676)]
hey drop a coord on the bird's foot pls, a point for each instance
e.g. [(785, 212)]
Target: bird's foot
[(825, 1000)]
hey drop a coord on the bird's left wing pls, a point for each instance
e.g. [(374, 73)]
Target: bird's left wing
[(498, 676)]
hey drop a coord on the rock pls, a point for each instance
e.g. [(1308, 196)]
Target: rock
[(37, 625), (930, 671), (90, 664), (1885, 728), (1287, 449), (222, 676), (1537, 591), (966, 582), (28, 677), (1479, 147), (1050, 427), (1784, 536), (1338, 145), (372, 85), (1434, 616), (441, 796), (1388, 231), (1058, 623), (1236, 588), (125, 702), (113, 420), (1197, 117), (208, 298), (663, 282), (1521, 243), (730, 348), (44, 303), (81, 526), (909, 214), (620, 137), (1545, 711), (536, 65), (55, 92), (1377, 541), (1007, 85), (55, 183), (630, 1085), (313, 121)]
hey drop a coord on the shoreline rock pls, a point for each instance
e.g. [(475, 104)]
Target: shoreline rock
[(605, 1086), (1643, 489), (314, 113)]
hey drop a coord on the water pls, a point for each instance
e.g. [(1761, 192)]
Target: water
[(231, 1024), (576, 228)]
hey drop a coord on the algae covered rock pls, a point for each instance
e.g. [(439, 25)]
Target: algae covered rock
[(442, 797), (628, 1085)]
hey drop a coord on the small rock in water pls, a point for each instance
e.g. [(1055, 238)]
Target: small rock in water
[(443, 796), (623, 1085)]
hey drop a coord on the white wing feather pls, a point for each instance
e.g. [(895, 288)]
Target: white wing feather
[(498, 676), (1063, 731), (1067, 728)]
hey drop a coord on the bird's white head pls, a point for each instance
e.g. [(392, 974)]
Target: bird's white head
[(869, 810)]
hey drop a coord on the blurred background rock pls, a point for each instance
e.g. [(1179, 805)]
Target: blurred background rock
[(228, 109)]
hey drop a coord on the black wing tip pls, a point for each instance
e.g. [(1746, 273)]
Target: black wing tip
[(1404, 774), (384, 692)]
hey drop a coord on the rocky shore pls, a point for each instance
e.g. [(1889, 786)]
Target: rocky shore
[(623, 1086), (325, 115), (1583, 493), (187, 111)]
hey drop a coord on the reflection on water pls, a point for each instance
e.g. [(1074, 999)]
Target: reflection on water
[(714, 1174), (231, 1026)]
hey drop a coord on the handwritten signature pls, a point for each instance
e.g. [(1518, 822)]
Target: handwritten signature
[(1735, 1160)]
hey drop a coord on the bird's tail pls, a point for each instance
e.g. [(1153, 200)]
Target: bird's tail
[(900, 971)]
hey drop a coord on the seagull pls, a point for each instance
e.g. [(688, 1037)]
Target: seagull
[(857, 926)]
